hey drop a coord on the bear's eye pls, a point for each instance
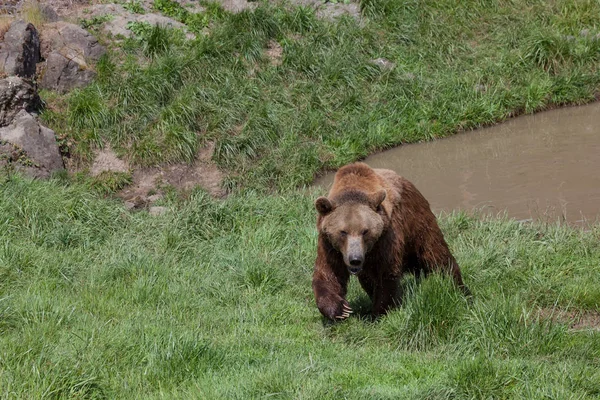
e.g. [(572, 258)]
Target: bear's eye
[(365, 232), (343, 233)]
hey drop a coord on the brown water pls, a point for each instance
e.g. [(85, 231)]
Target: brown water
[(543, 166)]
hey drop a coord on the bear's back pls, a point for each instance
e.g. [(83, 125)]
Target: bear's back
[(359, 177)]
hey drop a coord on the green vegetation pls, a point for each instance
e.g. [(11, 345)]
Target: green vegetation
[(213, 300), (95, 22), (458, 65), (134, 6), (195, 22)]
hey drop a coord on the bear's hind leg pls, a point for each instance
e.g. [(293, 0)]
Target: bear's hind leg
[(444, 262)]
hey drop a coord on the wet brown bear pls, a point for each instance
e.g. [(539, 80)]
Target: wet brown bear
[(375, 225)]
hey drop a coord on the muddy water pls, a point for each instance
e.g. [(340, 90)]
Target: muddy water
[(544, 166)]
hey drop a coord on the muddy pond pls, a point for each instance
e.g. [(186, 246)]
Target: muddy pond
[(544, 166)]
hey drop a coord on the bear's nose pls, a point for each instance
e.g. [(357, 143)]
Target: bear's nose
[(355, 265), (356, 262)]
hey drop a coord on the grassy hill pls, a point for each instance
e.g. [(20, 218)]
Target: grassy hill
[(213, 300), (283, 94)]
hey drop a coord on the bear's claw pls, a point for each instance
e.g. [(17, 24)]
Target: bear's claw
[(346, 311)]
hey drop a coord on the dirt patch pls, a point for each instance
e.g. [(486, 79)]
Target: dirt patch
[(107, 160), (148, 183), (329, 10), (274, 52), (322, 8), (575, 319), (236, 6)]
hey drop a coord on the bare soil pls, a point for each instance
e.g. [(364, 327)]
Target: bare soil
[(274, 52), (149, 183), (323, 9), (107, 160), (575, 319)]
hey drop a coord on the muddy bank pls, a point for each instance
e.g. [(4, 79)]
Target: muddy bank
[(543, 166)]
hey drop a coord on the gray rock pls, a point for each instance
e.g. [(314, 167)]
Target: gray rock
[(8, 153), (20, 51), (68, 50), (37, 143), (8, 9), (72, 41), (48, 13), (16, 95), (117, 25), (63, 74)]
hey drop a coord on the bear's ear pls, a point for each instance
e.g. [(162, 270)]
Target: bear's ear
[(323, 205), (377, 198)]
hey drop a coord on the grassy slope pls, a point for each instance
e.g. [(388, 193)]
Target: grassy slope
[(214, 301), (458, 65)]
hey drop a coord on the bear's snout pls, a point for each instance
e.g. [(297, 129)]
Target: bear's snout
[(355, 255), (356, 263)]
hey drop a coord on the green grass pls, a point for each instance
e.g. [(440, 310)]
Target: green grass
[(458, 65), (213, 300)]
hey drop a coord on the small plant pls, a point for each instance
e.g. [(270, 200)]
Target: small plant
[(139, 29), (155, 39), (134, 6), (32, 13), (194, 21), (5, 22), (197, 22), (94, 22), (171, 9)]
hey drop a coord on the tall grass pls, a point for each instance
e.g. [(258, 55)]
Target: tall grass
[(213, 300), (32, 13), (457, 66)]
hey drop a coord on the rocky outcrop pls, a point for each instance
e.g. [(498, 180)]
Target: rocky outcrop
[(63, 74), (30, 146), (48, 13), (70, 40), (16, 95), (24, 143), (68, 49), (120, 18), (20, 50)]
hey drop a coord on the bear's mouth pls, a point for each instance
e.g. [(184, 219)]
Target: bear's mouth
[(355, 266)]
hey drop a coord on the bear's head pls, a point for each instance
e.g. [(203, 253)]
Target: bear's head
[(352, 223)]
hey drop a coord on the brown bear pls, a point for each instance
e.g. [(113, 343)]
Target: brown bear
[(376, 225)]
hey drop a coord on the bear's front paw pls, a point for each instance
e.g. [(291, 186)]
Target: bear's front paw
[(334, 308)]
